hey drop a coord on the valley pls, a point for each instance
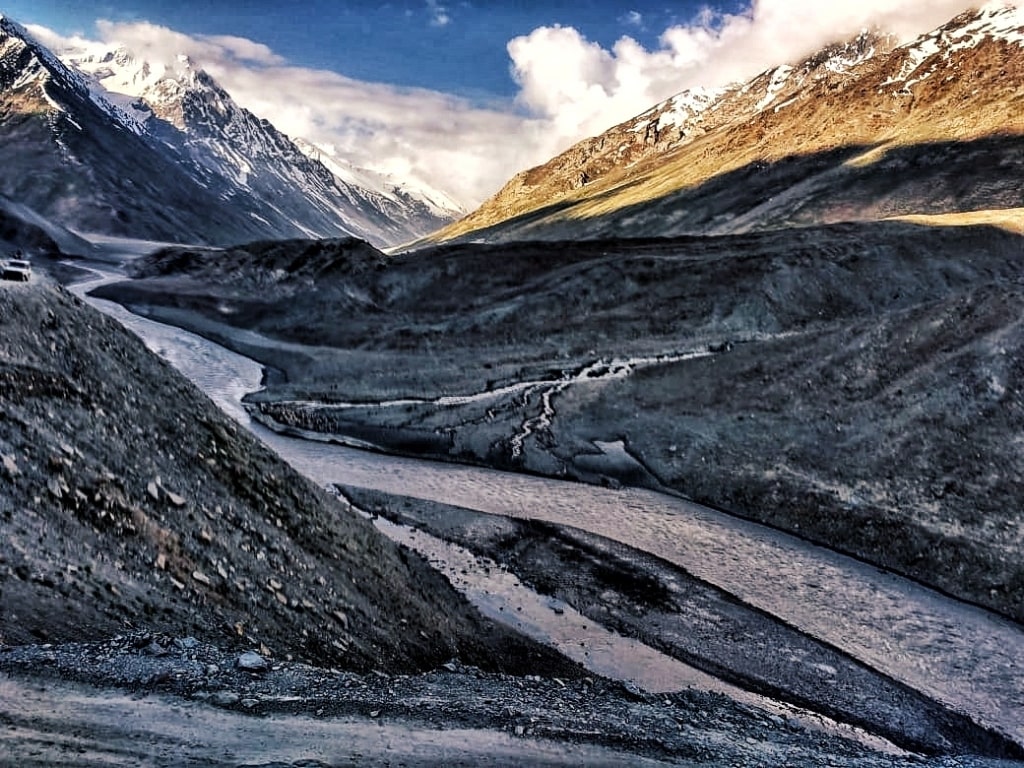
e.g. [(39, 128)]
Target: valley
[(444, 413), (698, 443), (512, 495), (780, 376)]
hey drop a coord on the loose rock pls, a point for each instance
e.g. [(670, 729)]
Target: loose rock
[(252, 662)]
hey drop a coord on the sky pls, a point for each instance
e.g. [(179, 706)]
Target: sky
[(461, 94)]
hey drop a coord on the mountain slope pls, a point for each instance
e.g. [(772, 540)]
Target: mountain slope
[(226, 140), (23, 228), (65, 158), (861, 131), (129, 500), (170, 157)]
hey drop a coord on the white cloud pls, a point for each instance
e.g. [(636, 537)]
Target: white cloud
[(461, 148), (569, 87), (633, 19), (439, 16)]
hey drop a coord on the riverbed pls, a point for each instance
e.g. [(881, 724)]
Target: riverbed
[(959, 655)]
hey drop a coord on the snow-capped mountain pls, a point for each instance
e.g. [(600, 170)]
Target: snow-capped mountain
[(779, 149), (440, 203), (253, 181)]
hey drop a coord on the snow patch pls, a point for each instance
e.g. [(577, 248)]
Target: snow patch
[(995, 21), (780, 77)]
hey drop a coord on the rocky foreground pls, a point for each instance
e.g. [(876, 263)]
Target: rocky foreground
[(287, 714), (129, 500), (160, 569)]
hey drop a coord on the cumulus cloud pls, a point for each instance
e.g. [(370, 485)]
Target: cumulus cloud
[(439, 16), (569, 87)]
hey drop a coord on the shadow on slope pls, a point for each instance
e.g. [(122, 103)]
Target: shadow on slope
[(848, 183)]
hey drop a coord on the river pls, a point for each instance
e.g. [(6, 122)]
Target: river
[(957, 654)]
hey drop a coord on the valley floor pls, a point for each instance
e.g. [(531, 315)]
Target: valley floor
[(901, 714), (146, 699), (711, 730)]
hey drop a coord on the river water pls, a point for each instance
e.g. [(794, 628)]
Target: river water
[(965, 657)]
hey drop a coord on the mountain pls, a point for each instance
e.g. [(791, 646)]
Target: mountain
[(163, 152), (437, 202), (859, 131), (23, 228)]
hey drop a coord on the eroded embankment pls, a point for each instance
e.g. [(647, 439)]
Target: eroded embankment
[(665, 607)]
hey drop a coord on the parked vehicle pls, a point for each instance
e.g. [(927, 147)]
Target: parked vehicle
[(17, 269)]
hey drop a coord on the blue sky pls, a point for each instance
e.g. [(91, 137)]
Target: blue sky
[(459, 95), (453, 46)]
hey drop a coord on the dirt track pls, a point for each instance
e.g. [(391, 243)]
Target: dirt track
[(168, 700)]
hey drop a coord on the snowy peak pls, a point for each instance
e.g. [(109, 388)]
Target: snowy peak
[(679, 116), (143, 88), (840, 58), (690, 113), (183, 117), (921, 58), (780, 87), (226, 138), (118, 70), (26, 63), (383, 184), (995, 20), (182, 94), (684, 118)]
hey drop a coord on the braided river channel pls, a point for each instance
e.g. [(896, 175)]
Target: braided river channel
[(963, 657)]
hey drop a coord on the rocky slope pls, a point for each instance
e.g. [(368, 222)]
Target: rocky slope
[(130, 501), (125, 147), (24, 229), (859, 131)]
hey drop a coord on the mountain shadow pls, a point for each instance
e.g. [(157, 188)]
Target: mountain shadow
[(850, 183)]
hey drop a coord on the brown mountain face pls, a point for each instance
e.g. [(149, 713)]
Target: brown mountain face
[(859, 131)]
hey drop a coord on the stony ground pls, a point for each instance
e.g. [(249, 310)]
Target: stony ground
[(139, 699), (160, 569), (152, 548), (863, 388)]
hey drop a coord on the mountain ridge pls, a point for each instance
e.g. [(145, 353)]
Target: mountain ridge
[(879, 95), (237, 176)]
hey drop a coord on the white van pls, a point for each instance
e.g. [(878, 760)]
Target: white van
[(17, 269)]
